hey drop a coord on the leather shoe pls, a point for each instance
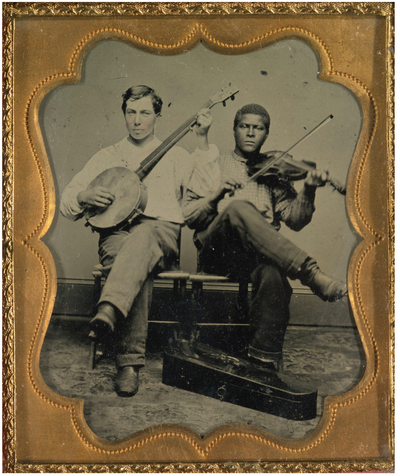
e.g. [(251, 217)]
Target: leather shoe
[(265, 359), (264, 365), (127, 381), (325, 287), (103, 323)]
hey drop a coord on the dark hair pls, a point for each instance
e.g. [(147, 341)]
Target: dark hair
[(138, 92), (253, 109)]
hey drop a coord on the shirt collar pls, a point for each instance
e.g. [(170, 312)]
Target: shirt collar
[(242, 160), (151, 145)]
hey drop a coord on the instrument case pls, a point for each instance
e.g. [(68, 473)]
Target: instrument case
[(213, 373)]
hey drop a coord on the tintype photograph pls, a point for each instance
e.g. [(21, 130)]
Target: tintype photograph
[(246, 306), (210, 270)]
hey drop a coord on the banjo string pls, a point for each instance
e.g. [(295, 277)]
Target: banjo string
[(169, 142)]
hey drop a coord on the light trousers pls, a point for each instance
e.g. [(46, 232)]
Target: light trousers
[(135, 255)]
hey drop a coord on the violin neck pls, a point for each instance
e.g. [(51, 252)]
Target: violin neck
[(152, 160), (338, 186)]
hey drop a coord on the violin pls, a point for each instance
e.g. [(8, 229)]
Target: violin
[(281, 164), (286, 168)]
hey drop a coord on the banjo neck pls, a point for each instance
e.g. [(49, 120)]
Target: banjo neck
[(152, 160), (130, 193)]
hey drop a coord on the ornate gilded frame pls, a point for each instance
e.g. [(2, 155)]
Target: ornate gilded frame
[(357, 445)]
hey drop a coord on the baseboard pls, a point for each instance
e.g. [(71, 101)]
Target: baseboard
[(75, 299)]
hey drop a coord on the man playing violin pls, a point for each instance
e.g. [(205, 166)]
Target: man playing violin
[(236, 232), (134, 253)]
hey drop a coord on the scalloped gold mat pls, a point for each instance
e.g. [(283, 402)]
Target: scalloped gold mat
[(44, 46)]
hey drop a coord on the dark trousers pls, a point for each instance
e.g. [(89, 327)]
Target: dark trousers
[(240, 243)]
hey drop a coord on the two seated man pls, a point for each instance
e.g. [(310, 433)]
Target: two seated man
[(236, 229)]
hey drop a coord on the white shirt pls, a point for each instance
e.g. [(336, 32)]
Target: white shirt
[(165, 183)]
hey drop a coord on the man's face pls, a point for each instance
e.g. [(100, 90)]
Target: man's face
[(250, 135), (140, 120)]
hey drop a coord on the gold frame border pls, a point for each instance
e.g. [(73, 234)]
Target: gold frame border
[(8, 255), (367, 466), (187, 8), (12, 11)]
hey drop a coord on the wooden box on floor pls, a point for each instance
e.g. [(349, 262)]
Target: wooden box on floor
[(215, 374)]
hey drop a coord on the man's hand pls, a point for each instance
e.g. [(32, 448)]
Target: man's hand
[(96, 197), (204, 121), (316, 178), (229, 186)]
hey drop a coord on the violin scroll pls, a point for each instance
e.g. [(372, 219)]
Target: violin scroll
[(338, 186)]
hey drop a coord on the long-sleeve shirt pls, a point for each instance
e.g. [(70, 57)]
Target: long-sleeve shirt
[(165, 183), (277, 200)]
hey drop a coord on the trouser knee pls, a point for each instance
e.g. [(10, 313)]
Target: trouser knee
[(142, 234), (238, 208)]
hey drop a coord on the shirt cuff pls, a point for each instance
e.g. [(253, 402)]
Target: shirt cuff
[(76, 207), (208, 208)]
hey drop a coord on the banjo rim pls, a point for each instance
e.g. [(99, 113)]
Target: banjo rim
[(104, 221)]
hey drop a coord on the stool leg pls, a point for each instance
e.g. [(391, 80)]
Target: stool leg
[(176, 290), (92, 355), (179, 294), (96, 291), (96, 297), (243, 302), (186, 341), (197, 294), (187, 316), (182, 289), (279, 364)]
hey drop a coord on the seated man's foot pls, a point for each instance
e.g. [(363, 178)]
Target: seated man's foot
[(263, 364), (265, 360), (326, 288), (127, 381), (103, 323), (323, 286)]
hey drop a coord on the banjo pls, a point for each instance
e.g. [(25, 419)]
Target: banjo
[(127, 187)]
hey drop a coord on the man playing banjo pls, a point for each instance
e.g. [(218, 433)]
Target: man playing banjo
[(237, 222), (136, 251)]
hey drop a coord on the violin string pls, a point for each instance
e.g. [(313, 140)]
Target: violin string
[(275, 160)]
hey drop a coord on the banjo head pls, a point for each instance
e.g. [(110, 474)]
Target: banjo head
[(129, 192)]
